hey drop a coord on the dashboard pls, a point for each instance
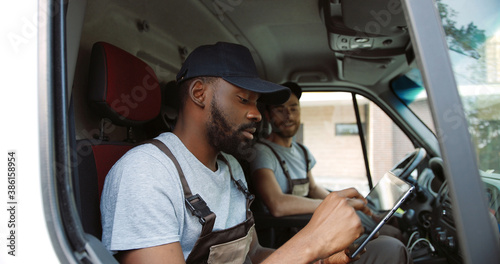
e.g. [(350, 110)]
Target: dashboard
[(433, 210), (442, 230)]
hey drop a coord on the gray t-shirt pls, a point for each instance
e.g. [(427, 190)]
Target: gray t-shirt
[(293, 156), (142, 204)]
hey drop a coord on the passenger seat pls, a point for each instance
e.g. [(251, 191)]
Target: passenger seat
[(124, 90)]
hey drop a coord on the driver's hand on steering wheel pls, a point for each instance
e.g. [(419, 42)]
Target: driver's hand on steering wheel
[(355, 199)]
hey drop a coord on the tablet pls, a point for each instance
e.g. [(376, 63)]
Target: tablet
[(385, 198)]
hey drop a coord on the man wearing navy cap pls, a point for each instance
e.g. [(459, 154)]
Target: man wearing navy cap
[(183, 198)]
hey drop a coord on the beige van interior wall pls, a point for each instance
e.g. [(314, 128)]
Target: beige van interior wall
[(162, 46)]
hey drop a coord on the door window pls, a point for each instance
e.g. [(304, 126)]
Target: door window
[(330, 131)]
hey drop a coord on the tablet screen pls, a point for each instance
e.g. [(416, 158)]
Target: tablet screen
[(388, 191), (384, 198)]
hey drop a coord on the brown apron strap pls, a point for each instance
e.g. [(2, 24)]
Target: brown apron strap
[(240, 185), (199, 208), (194, 203), (308, 161), (166, 150), (283, 166)]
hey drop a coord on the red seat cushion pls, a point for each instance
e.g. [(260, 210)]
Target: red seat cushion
[(122, 87), (105, 157)]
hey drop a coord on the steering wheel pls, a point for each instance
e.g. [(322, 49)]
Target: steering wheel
[(405, 166)]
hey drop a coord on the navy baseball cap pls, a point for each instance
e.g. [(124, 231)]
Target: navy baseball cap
[(234, 64), (294, 87)]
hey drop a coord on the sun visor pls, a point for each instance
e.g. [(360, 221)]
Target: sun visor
[(364, 71)]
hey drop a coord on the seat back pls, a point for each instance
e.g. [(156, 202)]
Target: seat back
[(96, 159), (126, 91)]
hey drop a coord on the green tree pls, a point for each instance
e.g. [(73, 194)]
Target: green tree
[(466, 39)]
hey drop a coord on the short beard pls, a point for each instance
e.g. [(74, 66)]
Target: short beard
[(225, 139), (283, 134)]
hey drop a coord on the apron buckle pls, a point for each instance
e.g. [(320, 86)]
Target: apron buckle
[(198, 207)]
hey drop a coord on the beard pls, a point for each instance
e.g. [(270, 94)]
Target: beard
[(224, 138), (287, 133)]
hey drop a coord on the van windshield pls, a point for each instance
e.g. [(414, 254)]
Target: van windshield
[(473, 37)]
